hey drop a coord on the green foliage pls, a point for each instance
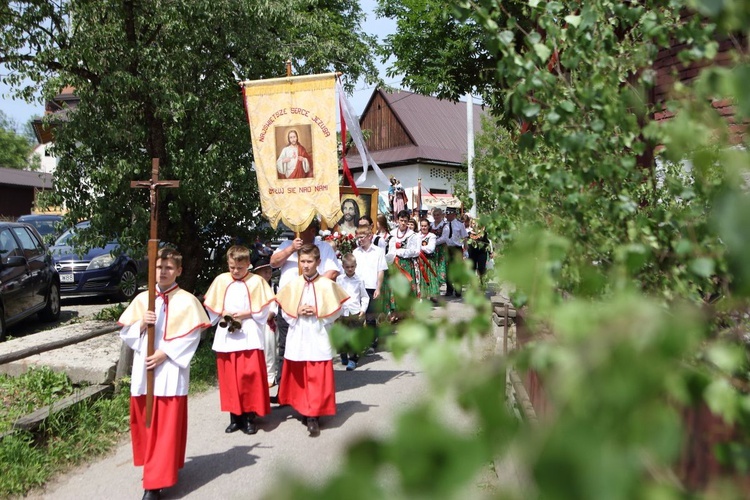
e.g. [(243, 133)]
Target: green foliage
[(203, 366), (68, 438), (29, 391), (14, 148), (635, 271), (159, 80), (111, 313)]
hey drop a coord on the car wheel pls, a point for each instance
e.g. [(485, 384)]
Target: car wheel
[(128, 285), (51, 311)]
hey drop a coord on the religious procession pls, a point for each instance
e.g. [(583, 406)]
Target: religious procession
[(333, 276)]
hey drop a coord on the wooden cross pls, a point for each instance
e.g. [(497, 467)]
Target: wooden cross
[(153, 186)]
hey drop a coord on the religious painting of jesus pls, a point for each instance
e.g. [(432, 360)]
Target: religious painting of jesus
[(354, 206), (294, 160)]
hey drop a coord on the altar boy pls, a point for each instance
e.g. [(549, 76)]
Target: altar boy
[(310, 304), (239, 301), (178, 320)]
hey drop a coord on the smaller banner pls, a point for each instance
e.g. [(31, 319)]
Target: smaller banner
[(293, 129)]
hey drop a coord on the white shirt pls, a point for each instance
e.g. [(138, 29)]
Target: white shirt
[(290, 270), (456, 239), (408, 248), (358, 299), (370, 263), (307, 338), (250, 336), (172, 377)]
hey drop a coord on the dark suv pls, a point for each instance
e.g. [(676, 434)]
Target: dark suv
[(100, 271), (29, 283)]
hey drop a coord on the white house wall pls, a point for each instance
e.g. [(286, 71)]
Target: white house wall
[(433, 177), (48, 162)]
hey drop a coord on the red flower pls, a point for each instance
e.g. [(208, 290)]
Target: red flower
[(398, 245)]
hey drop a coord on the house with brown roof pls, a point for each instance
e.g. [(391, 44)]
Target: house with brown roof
[(60, 106), (415, 137), (19, 190)]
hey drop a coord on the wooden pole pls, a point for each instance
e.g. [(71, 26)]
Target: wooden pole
[(153, 249)]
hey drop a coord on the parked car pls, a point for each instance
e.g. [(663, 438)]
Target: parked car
[(100, 271), (29, 283), (49, 226)]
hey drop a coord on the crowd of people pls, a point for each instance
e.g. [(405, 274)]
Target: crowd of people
[(274, 334)]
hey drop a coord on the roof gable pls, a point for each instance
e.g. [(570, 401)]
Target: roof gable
[(407, 127), (14, 177)]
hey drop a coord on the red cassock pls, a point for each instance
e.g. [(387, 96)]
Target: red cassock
[(160, 449), (307, 379), (308, 387), (243, 382)]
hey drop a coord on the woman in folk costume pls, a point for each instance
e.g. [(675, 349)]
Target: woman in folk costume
[(403, 249), (441, 244), (178, 320), (294, 162), (310, 304), (240, 302), (430, 284)]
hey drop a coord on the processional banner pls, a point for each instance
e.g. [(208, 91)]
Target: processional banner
[(293, 129)]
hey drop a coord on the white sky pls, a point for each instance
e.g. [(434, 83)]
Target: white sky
[(21, 111)]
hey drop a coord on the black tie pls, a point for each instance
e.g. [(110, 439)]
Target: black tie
[(450, 231)]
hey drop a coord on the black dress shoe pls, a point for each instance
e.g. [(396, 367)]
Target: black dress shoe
[(235, 423), (151, 494), (250, 427), (313, 427)]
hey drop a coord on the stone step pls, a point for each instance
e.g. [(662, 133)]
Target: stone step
[(93, 361)]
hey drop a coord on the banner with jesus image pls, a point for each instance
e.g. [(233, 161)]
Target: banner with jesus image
[(293, 130)]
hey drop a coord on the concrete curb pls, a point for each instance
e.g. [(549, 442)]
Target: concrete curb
[(92, 361)]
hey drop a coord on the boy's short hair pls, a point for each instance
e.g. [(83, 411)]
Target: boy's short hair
[(404, 214), (348, 258), (364, 230), (310, 249), (238, 253), (170, 253), (364, 220)]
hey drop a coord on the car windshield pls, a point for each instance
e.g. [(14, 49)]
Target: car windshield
[(44, 227), (66, 239)]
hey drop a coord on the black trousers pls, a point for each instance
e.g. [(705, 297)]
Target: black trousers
[(479, 257), (454, 254)]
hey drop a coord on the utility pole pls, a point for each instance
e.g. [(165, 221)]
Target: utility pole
[(470, 153)]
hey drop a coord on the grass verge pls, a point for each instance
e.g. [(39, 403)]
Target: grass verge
[(74, 436)]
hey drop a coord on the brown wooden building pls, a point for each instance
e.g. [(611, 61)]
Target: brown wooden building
[(669, 70), (415, 137), (18, 191)]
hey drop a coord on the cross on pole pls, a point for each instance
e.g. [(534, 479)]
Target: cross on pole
[(153, 186)]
